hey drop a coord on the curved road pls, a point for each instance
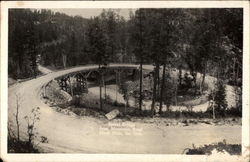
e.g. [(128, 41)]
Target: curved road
[(81, 134)]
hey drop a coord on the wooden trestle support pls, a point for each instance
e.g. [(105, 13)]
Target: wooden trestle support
[(80, 85)]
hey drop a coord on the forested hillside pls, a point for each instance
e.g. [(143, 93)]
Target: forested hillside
[(208, 41)]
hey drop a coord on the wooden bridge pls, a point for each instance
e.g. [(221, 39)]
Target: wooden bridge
[(77, 82)]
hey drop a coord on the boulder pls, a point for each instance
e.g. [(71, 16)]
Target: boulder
[(112, 114), (66, 96)]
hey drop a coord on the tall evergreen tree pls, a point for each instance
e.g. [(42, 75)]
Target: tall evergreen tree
[(97, 46)]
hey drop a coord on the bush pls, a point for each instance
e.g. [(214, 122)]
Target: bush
[(233, 112), (185, 114), (136, 112), (19, 146), (232, 149)]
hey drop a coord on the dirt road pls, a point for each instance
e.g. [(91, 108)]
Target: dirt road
[(82, 134)]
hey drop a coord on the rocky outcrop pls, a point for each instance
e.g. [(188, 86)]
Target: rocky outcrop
[(54, 93)]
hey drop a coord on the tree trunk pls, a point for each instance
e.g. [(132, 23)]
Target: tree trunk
[(17, 120), (20, 64), (213, 108), (116, 87), (154, 89), (162, 87), (234, 73), (194, 74), (140, 100), (141, 60), (126, 105), (64, 57), (176, 91), (180, 76), (203, 78), (158, 84), (100, 86), (219, 71), (105, 90), (71, 89), (237, 73)]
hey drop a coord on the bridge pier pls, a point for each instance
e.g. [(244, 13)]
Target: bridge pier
[(63, 83), (67, 85), (81, 83), (135, 75)]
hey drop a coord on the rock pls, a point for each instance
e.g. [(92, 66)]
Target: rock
[(67, 96), (52, 104), (54, 84), (206, 122), (71, 113), (112, 114), (65, 111), (157, 115)]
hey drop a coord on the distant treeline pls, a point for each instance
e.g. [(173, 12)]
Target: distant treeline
[(208, 41)]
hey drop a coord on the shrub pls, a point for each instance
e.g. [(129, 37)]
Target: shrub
[(185, 114), (219, 97), (233, 112), (138, 113), (232, 149), (19, 146)]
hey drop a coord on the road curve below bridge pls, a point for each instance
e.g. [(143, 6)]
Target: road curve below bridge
[(81, 134)]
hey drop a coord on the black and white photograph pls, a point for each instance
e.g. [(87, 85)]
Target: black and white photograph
[(134, 80)]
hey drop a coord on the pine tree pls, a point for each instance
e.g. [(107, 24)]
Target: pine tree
[(220, 97), (139, 42), (97, 47)]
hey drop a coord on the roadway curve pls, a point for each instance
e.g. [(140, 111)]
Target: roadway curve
[(80, 134)]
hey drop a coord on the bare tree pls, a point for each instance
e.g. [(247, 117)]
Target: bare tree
[(64, 58), (17, 117)]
